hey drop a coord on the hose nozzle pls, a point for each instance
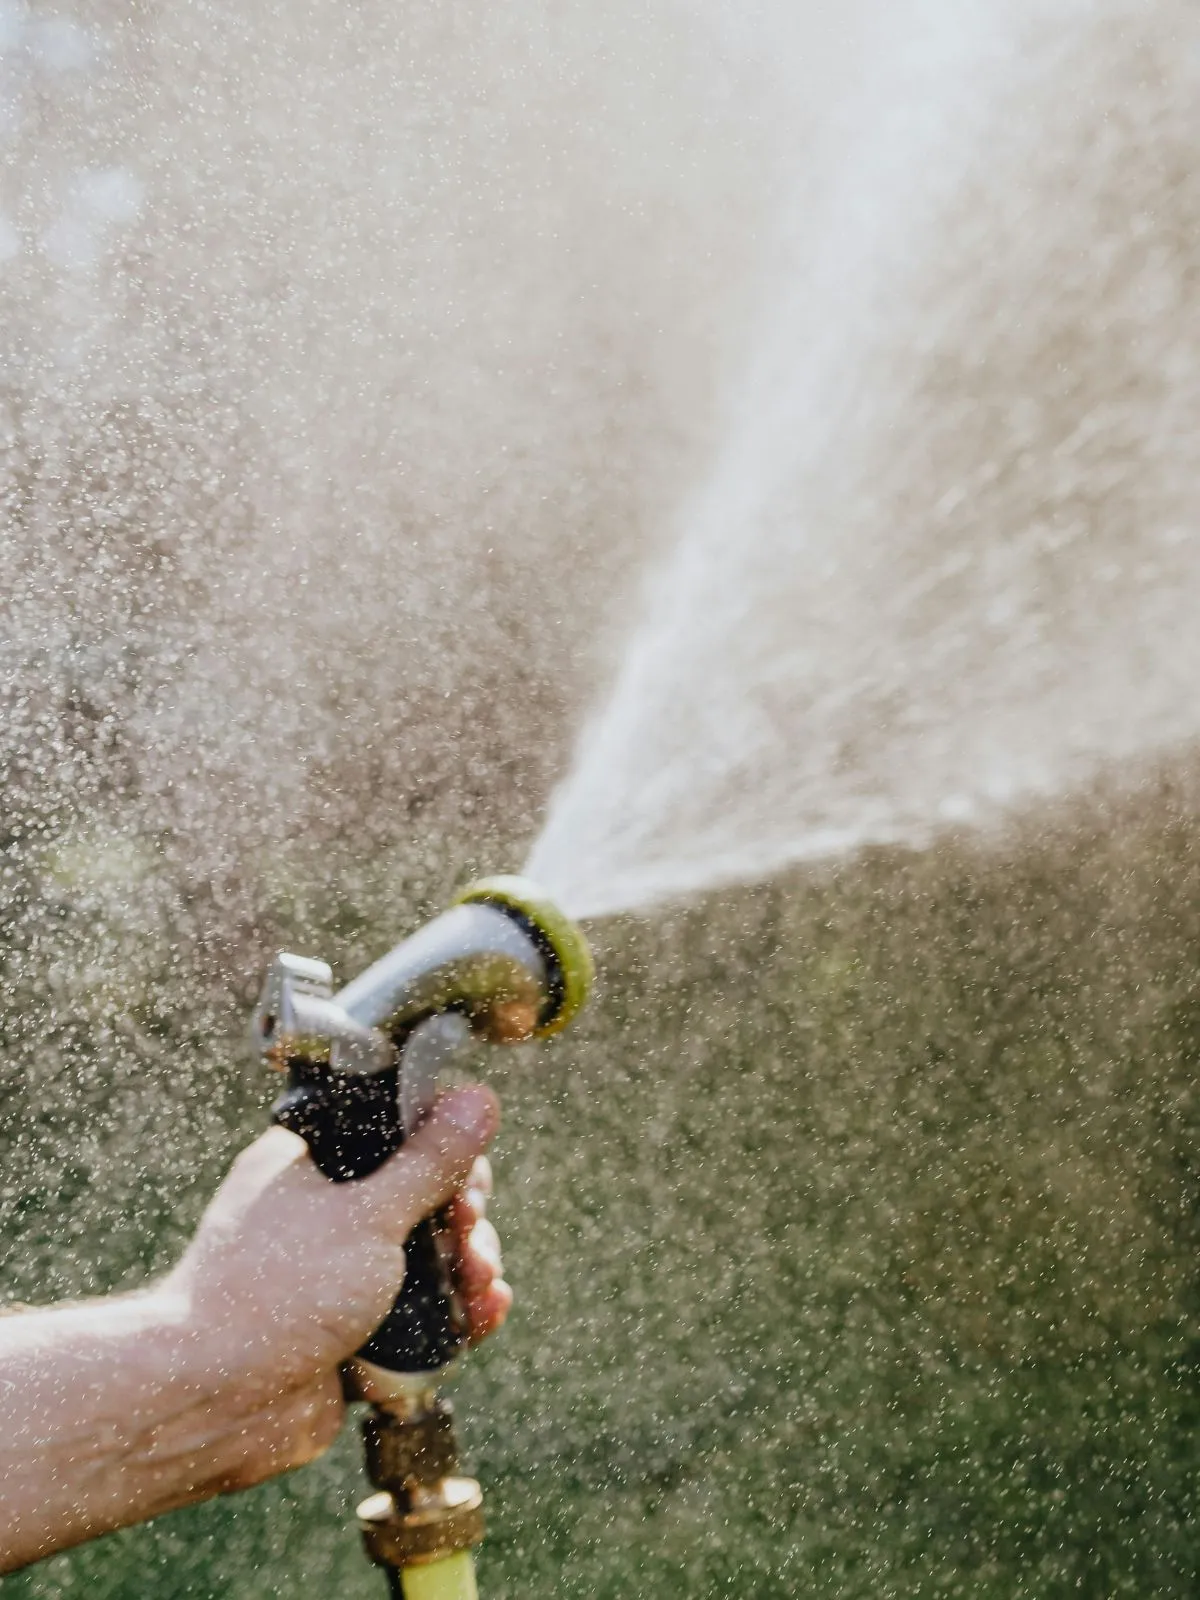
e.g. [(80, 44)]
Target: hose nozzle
[(567, 969), (502, 963), (503, 957)]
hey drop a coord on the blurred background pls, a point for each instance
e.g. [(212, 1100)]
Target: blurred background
[(354, 365)]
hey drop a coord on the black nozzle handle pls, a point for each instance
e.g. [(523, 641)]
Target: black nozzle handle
[(351, 1125)]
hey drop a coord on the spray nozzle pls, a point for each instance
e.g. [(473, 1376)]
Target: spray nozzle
[(503, 956), (567, 968), (502, 963)]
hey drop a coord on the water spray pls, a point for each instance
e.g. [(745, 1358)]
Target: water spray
[(503, 964)]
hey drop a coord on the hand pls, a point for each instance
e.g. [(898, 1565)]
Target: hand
[(226, 1371), (291, 1273)]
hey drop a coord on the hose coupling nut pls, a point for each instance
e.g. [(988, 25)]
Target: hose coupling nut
[(425, 1510)]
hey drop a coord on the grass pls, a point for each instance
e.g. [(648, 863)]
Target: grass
[(855, 1233)]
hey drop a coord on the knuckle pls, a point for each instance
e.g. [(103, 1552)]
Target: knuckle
[(485, 1242)]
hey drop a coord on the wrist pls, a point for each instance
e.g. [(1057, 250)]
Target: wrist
[(205, 1352), (184, 1354), (111, 1401)]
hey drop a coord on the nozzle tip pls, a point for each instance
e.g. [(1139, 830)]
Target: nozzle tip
[(559, 939)]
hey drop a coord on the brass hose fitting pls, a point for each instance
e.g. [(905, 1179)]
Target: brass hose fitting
[(425, 1509)]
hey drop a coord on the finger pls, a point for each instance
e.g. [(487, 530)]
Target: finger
[(434, 1162), (461, 1215), (483, 1242), (478, 1263), (471, 1202), (484, 1313)]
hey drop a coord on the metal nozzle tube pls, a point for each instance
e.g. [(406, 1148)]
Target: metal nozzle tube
[(473, 958)]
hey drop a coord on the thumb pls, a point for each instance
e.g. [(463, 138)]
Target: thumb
[(434, 1163)]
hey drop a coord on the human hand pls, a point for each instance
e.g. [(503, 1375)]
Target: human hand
[(225, 1372), (288, 1273)]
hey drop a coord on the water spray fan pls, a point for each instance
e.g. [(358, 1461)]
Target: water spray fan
[(503, 964)]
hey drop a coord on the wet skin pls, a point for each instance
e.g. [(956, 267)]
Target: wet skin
[(226, 1372)]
